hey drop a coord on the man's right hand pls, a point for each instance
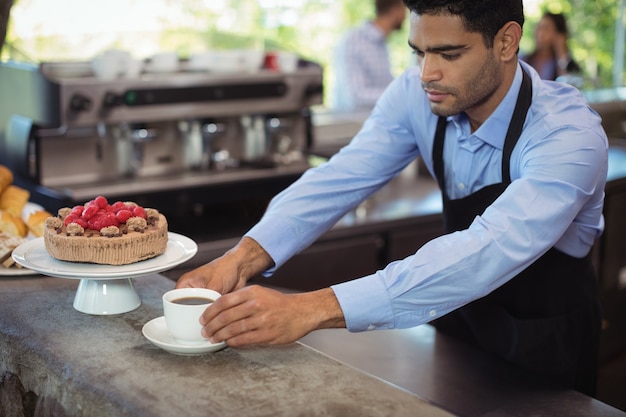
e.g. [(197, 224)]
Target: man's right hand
[(231, 271)]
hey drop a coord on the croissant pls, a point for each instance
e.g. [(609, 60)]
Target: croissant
[(6, 177), (12, 225), (36, 222), (13, 199)]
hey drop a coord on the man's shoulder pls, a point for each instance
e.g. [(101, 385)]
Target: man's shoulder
[(558, 96), (558, 105)]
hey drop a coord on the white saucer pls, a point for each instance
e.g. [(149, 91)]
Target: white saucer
[(156, 332)]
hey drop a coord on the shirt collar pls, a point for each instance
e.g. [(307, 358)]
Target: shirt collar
[(493, 130)]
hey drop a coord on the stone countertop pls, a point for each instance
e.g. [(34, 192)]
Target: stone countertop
[(77, 364)]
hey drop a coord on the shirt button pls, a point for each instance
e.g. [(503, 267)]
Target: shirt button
[(371, 327), (461, 186), (432, 313)]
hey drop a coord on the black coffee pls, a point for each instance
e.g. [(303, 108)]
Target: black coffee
[(192, 301)]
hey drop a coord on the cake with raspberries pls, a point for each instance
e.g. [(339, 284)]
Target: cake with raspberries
[(112, 234)]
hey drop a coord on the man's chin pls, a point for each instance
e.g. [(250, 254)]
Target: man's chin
[(440, 110)]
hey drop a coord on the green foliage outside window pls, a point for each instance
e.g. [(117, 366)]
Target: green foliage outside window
[(312, 28)]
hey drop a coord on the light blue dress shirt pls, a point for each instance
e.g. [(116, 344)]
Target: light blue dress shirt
[(362, 68), (558, 173)]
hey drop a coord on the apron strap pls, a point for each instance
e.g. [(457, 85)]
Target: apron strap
[(440, 134), (516, 126)]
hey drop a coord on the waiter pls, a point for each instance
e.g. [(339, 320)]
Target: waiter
[(522, 166)]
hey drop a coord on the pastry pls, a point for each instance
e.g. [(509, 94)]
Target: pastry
[(13, 199), (12, 225), (7, 244), (6, 178), (98, 232), (36, 222)]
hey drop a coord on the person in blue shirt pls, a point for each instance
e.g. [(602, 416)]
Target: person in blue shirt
[(361, 59), (522, 166)]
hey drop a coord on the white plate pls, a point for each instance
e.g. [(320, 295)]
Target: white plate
[(33, 255), (16, 272), (30, 208), (156, 332)]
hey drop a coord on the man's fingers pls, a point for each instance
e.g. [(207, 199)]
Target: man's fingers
[(223, 318)]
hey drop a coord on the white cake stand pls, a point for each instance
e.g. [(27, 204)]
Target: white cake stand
[(104, 289)]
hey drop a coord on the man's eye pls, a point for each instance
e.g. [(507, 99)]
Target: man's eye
[(451, 57), (418, 53)]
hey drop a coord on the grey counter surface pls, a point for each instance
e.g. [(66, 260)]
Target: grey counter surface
[(73, 364), (469, 382)]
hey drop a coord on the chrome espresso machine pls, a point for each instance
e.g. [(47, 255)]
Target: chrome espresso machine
[(207, 149)]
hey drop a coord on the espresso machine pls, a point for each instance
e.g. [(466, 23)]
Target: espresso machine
[(207, 149)]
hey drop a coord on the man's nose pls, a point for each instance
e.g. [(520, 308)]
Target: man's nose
[(430, 70)]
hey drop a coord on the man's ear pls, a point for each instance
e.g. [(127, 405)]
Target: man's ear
[(507, 41)]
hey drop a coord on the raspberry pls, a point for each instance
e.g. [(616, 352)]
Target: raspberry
[(81, 222), (70, 218), (103, 219), (119, 205), (101, 201), (139, 211), (90, 211), (91, 223), (123, 215), (77, 210)]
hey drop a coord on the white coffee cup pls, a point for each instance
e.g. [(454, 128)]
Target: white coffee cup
[(182, 308), (164, 62), (105, 67), (134, 68)]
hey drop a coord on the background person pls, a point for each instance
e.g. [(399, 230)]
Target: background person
[(551, 57), (522, 166), (361, 58)]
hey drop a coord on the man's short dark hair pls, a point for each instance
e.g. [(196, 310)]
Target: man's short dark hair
[(479, 16), (384, 6)]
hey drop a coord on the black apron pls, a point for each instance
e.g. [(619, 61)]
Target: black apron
[(546, 319)]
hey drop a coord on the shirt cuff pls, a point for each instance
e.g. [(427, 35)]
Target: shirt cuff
[(365, 304), (266, 233)]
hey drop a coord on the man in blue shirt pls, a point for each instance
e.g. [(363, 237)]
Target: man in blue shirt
[(522, 165), (361, 60)]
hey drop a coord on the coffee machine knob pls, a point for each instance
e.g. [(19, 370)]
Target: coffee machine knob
[(112, 100), (79, 103)]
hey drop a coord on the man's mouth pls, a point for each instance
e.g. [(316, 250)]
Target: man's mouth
[(435, 95)]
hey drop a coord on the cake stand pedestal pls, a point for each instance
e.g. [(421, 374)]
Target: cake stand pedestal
[(104, 297), (104, 289)]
